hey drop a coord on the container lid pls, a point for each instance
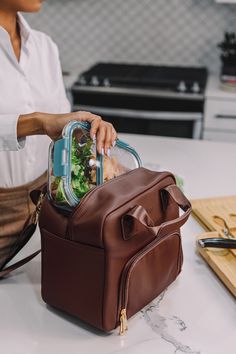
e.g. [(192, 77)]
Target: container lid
[(75, 166)]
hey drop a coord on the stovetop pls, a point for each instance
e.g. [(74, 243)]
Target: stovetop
[(172, 78)]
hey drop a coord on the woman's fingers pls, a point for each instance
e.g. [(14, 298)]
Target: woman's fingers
[(114, 136), (101, 136), (105, 138), (95, 123), (93, 119), (103, 131), (108, 139)]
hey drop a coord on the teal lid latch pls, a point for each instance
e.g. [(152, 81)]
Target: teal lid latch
[(61, 157)]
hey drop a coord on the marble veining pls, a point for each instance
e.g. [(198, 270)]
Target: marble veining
[(159, 324), (188, 318)]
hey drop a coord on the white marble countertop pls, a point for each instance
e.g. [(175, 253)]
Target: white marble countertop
[(196, 314)]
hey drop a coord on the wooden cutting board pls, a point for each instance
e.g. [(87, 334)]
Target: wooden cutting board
[(206, 209), (222, 261)]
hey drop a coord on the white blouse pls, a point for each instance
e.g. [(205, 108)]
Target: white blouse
[(34, 84)]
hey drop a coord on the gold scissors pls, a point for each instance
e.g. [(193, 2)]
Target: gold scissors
[(225, 228)]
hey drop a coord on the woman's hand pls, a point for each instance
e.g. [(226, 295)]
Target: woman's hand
[(52, 125), (104, 132)]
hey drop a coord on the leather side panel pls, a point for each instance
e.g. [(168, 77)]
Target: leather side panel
[(52, 220), (73, 278), (153, 273), (119, 251)]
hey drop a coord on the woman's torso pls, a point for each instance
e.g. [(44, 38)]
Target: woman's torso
[(32, 85)]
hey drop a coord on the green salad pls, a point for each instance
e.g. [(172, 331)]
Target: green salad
[(81, 179)]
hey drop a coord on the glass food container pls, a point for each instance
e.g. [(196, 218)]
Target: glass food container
[(75, 166)]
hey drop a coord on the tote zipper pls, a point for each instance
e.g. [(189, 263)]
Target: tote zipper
[(123, 294), (80, 206), (92, 191)]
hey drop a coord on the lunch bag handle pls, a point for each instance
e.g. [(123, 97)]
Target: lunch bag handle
[(138, 216)]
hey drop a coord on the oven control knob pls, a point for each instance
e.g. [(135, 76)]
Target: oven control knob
[(94, 81), (82, 81), (195, 88), (106, 82), (182, 86)]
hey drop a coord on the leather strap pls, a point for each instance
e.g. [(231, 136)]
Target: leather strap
[(138, 216), (37, 198), (18, 264)]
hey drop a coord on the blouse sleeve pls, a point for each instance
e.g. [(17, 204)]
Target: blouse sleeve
[(8, 122), (8, 133)]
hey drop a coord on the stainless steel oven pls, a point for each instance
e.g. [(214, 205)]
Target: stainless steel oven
[(141, 107)]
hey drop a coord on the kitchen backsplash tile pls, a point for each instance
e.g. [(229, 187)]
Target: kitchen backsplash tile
[(180, 32)]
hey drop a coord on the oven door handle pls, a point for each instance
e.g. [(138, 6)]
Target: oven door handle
[(140, 114), (226, 116)]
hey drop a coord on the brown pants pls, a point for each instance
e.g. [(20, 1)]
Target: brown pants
[(15, 209)]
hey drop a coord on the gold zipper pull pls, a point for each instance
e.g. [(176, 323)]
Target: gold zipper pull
[(38, 208), (123, 322)]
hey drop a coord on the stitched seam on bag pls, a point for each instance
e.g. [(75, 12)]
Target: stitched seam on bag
[(94, 190), (71, 242)]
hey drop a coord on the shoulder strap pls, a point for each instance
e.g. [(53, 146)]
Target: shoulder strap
[(37, 197), (18, 264)]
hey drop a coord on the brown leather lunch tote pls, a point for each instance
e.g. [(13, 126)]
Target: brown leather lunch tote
[(123, 234)]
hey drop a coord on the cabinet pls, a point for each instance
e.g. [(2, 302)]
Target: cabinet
[(219, 113)]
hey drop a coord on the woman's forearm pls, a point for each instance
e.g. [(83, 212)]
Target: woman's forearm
[(52, 125), (29, 124)]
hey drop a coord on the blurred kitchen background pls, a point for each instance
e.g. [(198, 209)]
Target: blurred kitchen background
[(150, 98)]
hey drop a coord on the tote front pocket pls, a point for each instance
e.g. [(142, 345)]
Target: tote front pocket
[(147, 274)]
